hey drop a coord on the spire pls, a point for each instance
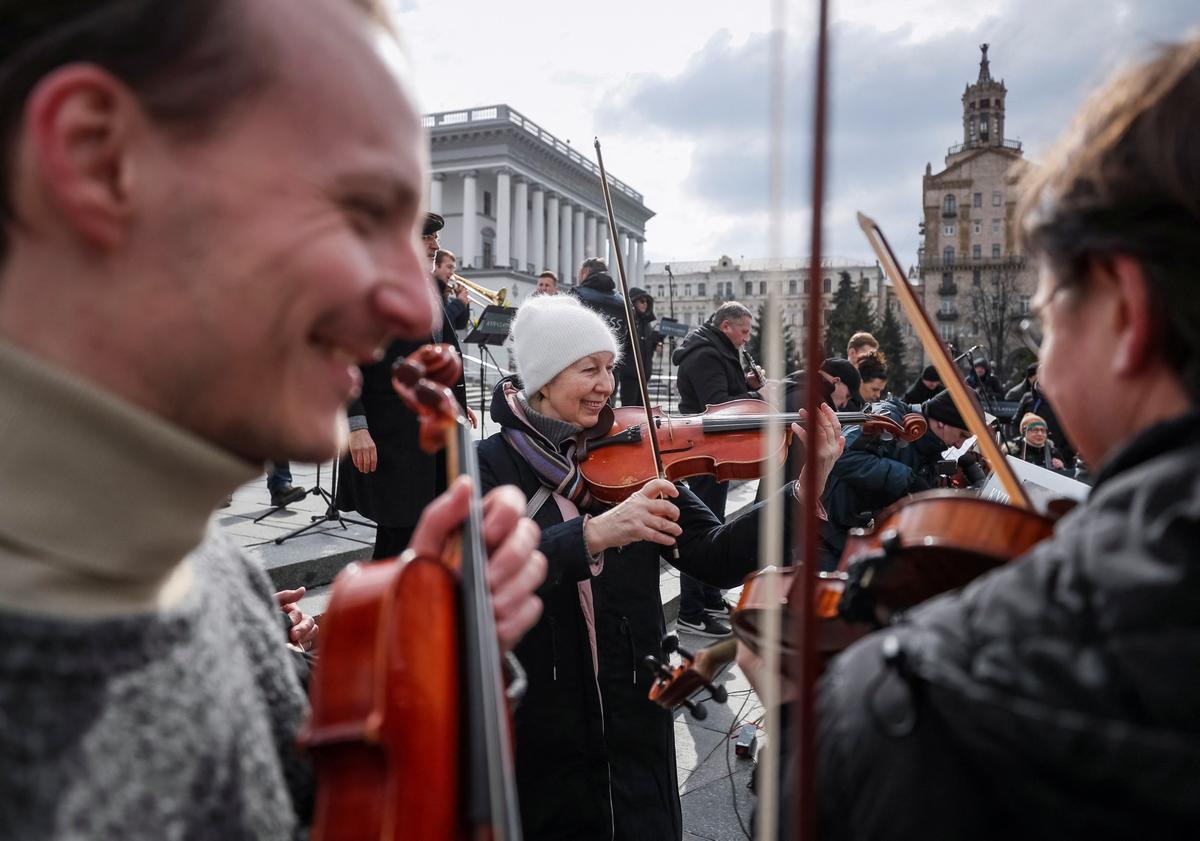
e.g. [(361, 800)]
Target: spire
[(985, 74)]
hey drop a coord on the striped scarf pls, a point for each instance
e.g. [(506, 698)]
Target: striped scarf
[(554, 463)]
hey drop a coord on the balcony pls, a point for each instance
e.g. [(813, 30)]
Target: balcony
[(947, 315), (1011, 145), (948, 289)]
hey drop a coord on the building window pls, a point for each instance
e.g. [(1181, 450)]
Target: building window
[(976, 276), (948, 255), (487, 203), (805, 286), (700, 289), (762, 287), (749, 287), (687, 290), (792, 286), (661, 291), (995, 226), (976, 252), (947, 304), (995, 251), (977, 200), (977, 227), (1023, 304), (487, 254), (828, 284), (950, 206), (948, 332), (997, 198), (948, 230)]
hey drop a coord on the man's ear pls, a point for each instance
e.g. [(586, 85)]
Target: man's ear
[(1133, 313), (80, 120)]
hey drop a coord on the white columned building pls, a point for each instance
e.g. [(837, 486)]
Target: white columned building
[(435, 192), (552, 229), (518, 200), (622, 238), (640, 271), (566, 261), (631, 259), (470, 223), (520, 237), (537, 230), (503, 217)]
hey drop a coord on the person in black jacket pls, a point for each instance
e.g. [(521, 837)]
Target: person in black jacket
[(1056, 696), (595, 757), (709, 371), (597, 290), (927, 385), (648, 343), (1027, 382), (386, 475), (1034, 445), (986, 384)]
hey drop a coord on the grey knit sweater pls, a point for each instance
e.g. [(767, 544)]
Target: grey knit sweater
[(171, 725)]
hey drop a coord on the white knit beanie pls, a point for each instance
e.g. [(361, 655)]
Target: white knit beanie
[(551, 332)]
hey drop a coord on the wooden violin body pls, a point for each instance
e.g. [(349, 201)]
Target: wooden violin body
[(725, 441)]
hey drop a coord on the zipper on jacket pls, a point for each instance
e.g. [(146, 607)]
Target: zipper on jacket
[(553, 649), (625, 629)]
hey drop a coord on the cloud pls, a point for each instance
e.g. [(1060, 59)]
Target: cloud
[(895, 105)]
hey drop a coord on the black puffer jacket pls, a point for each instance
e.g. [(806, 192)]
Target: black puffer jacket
[(569, 754), (1056, 697), (710, 371), (598, 292)]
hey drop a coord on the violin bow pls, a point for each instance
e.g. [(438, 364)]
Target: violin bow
[(804, 810), (949, 372), (635, 350)]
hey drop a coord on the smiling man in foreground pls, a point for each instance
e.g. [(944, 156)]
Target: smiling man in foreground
[(203, 234)]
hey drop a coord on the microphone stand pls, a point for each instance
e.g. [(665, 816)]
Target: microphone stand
[(332, 514)]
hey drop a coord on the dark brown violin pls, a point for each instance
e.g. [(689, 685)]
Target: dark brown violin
[(725, 441), (409, 728)]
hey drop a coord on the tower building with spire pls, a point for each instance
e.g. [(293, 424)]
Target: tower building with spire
[(977, 284)]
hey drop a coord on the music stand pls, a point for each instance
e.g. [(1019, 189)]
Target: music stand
[(669, 328), (332, 514), (491, 328)]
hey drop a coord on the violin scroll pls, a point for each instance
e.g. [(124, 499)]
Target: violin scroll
[(912, 427), (422, 380)]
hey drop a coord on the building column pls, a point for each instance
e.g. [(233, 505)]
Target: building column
[(503, 217), (551, 261), (631, 258), (567, 267), (640, 271), (537, 254), (520, 237), (589, 241), (602, 244), (435, 192), (470, 221), (622, 239), (580, 240)]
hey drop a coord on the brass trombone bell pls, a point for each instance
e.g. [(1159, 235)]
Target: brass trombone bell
[(479, 294)]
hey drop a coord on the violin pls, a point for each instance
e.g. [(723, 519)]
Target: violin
[(409, 656), (725, 441)]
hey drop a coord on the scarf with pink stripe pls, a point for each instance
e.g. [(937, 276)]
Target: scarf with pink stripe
[(555, 465)]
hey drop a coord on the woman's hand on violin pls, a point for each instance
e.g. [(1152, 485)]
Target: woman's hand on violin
[(643, 516), (824, 446), (516, 568)]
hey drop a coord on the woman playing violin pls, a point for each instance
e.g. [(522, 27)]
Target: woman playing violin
[(595, 758)]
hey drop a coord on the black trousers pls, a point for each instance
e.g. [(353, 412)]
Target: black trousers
[(695, 595), (391, 541)]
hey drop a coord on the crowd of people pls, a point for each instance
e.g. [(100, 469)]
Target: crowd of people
[(176, 302)]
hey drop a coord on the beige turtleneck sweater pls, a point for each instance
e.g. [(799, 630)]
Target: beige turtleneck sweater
[(100, 501)]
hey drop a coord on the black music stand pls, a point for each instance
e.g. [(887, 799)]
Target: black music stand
[(331, 515), (491, 328), (669, 328)]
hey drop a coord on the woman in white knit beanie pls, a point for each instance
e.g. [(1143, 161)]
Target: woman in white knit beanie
[(594, 756)]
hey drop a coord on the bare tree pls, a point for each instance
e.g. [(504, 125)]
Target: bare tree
[(996, 307)]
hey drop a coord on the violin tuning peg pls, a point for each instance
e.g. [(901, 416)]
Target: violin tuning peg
[(696, 709), (718, 693), (656, 666), (685, 654), (669, 643)]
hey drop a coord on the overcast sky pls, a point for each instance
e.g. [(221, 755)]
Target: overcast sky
[(677, 92)]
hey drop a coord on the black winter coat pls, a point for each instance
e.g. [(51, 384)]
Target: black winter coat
[(1056, 697), (709, 371), (406, 479), (918, 392), (569, 754), (871, 475), (598, 293)]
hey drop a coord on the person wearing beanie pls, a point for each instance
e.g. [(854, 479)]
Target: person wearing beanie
[(1024, 385), (594, 756), (927, 385), (1034, 445), (649, 341), (986, 384), (873, 472), (840, 382)]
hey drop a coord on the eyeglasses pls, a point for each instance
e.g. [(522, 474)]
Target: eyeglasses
[(1030, 332)]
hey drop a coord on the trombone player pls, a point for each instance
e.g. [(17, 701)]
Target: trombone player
[(386, 476)]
